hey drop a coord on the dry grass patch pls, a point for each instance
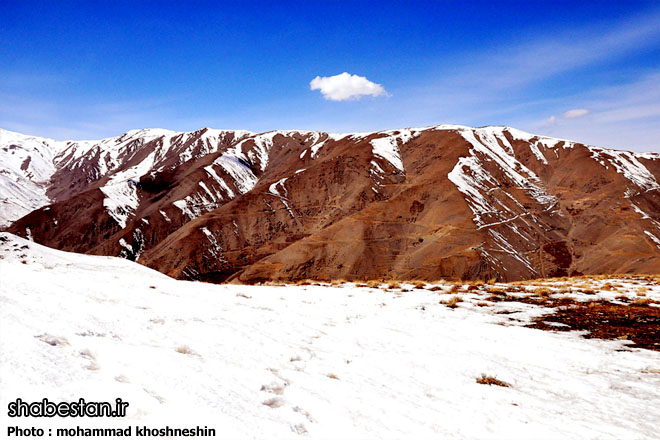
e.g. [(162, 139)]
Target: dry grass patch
[(184, 349), (275, 402), (491, 380), (543, 292), (452, 302), (53, 340), (643, 302), (496, 291), (274, 389), (565, 300), (453, 289), (473, 285)]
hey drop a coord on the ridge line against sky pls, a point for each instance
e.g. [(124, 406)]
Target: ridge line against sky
[(95, 70)]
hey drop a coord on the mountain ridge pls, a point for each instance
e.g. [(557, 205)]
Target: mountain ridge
[(222, 205)]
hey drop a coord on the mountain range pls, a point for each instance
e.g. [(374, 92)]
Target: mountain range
[(441, 202)]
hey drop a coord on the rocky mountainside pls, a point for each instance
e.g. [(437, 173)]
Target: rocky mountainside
[(426, 203)]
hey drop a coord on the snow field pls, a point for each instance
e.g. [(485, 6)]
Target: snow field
[(313, 361)]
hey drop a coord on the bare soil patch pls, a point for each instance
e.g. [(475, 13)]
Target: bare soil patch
[(605, 320)]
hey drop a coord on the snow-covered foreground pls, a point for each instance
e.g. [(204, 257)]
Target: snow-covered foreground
[(311, 361)]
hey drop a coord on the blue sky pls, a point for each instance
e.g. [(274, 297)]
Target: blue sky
[(588, 71)]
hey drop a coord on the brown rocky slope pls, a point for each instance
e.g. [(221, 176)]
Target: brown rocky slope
[(431, 203)]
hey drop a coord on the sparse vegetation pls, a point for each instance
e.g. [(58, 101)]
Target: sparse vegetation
[(453, 289), (543, 292), (643, 301), (565, 300), (275, 402), (491, 380), (607, 320), (53, 340), (184, 349), (452, 302), (338, 282), (87, 354), (274, 389)]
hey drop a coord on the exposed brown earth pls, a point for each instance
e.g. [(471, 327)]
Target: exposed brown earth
[(441, 203), (606, 320)]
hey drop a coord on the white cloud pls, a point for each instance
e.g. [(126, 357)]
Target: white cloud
[(345, 86), (626, 116), (575, 113)]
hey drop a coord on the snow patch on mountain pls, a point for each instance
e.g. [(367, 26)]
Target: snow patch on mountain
[(26, 166), (220, 181), (272, 189), (244, 178), (627, 164), (474, 181), (655, 239), (387, 147), (214, 248)]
